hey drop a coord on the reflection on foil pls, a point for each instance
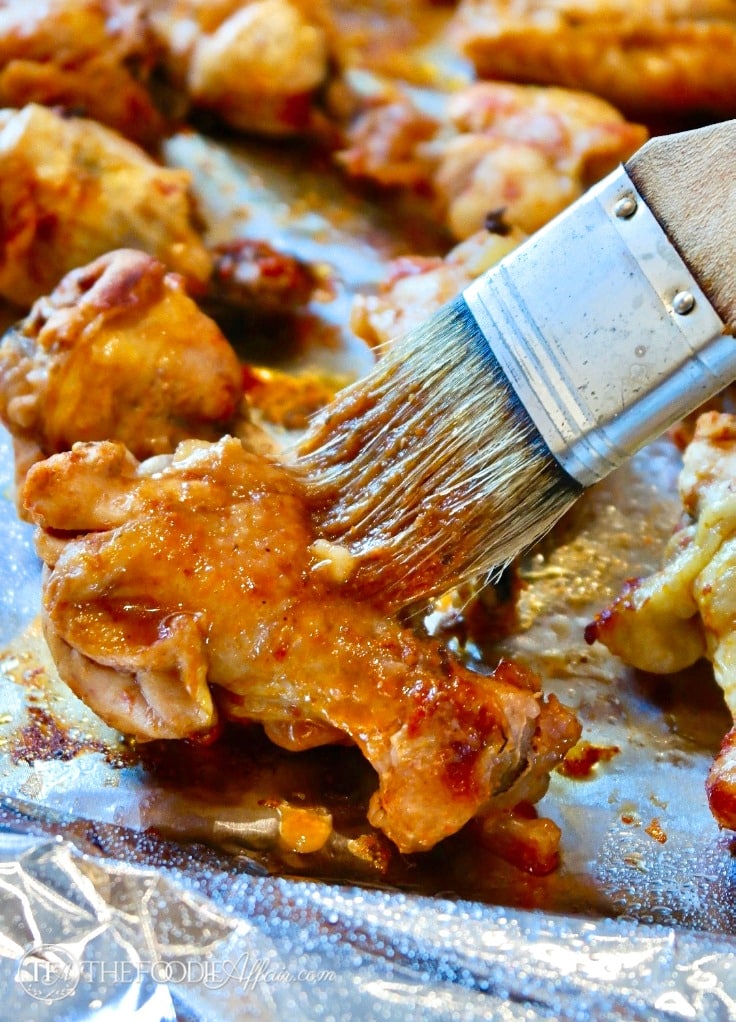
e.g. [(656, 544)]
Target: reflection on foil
[(20, 570), (90, 938)]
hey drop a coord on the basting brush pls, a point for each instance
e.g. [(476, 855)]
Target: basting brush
[(476, 432)]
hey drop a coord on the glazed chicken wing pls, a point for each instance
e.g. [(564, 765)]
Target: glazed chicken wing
[(93, 57), (670, 57), (527, 151), (256, 64), (194, 584), (117, 351), (72, 190), (687, 610)]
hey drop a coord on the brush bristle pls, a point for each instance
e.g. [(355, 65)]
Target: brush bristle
[(429, 469)]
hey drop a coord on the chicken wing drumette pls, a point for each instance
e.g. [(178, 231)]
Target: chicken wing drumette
[(256, 64), (194, 583), (93, 57), (687, 610), (117, 351)]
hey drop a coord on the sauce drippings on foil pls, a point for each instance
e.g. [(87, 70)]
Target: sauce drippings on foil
[(654, 830), (582, 759), (44, 738)]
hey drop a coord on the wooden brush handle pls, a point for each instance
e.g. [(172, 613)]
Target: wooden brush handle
[(688, 180)]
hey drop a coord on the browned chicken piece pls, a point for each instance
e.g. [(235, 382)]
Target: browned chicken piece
[(525, 150), (72, 190), (417, 286), (117, 351), (92, 57), (672, 57), (721, 783), (194, 584), (687, 610), (256, 64), (250, 273)]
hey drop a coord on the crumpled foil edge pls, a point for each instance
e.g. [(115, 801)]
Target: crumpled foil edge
[(83, 936)]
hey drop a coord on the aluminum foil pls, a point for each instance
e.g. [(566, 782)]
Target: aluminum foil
[(84, 938), (134, 885)]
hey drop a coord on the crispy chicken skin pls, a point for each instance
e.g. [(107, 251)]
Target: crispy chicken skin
[(687, 610), (529, 151), (117, 351), (194, 584), (93, 57), (72, 190), (256, 64), (673, 56)]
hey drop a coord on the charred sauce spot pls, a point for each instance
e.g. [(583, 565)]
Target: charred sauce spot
[(592, 630), (296, 111), (471, 727), (45, 738), (47, 227), (424, 695), (458, 767), (604, 619), (495, 223)]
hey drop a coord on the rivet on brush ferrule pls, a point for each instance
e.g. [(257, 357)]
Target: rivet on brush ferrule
[(625, 207), (683, 302)]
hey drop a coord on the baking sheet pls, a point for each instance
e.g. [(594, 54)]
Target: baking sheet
[(637, 920)]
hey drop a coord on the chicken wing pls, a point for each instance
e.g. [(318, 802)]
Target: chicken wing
[(417, 286), (525, 150), (193, 584), (687, 610), (72, 190), (117, 351), (93, 57), (670, 57), (256, 64)]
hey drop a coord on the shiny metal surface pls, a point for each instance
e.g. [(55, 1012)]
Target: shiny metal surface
[(583, 321)]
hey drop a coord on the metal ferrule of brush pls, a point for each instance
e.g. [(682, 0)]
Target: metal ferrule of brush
[(602, 330)]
